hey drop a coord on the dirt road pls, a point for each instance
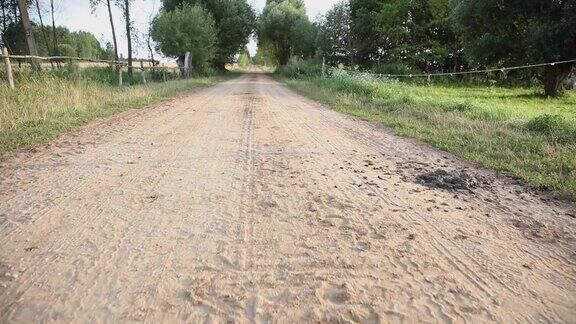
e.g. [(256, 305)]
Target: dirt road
[(247, 202)]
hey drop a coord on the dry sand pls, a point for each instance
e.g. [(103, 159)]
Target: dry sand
[(247, 202)]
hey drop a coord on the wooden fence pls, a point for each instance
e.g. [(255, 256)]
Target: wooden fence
[(120, 65)]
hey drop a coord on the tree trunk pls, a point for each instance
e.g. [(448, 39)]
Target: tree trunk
[(29, 34), (284, 55), (46, 42), (128, 36), (3, 21), (554, 75), (55, 50), (149, 44), (113, 30)]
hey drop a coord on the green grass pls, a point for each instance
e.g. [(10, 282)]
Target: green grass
[(44, 106), (507, 129)]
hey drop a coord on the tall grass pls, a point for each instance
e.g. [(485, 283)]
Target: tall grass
[(509, 129), (46, 105)]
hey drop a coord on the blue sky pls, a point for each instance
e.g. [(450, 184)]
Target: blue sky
[(76, 15)]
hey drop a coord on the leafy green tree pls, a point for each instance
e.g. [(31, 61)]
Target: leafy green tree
[(285, 27), (186, 28), (66, 50), (334, 35), (235, 21), (419, 34), (13, 36), (499, 33), (266, 55), (109, 52), (81, 44), (86, 45), (365, 36)]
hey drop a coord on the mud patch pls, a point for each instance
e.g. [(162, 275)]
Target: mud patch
[(453, 180)]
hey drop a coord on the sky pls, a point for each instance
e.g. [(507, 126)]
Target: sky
[(77, 15)]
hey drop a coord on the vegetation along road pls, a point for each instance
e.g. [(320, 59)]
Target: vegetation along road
[(247, 202)]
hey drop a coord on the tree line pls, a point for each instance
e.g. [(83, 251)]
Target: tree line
[(385, 36), (214, 31), (409, 36)]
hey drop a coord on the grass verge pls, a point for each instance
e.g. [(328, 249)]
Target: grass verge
[(46, 106), (507, 129)]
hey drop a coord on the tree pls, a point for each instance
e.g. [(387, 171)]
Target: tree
[(124, 5), (109, 52), (81, 43), (508, 32), (54, 37), (44, 33), (334, 37), (9, 10), (32, 49), (15, 39), (235, 21), (419, 34), (94, 4), (285, 26), (186, 28), (86, 45), (365, 36), (266, 55)]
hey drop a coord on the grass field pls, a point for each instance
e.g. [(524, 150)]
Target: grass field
[(508, 129), (46, 105)]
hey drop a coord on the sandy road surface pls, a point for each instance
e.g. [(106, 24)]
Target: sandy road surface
[(247, 202)]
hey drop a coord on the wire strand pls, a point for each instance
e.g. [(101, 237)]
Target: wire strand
[(463, 72)]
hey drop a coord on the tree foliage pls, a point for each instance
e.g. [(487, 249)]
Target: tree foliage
[(235, 21), (284, 28), (80, 44), (186, 28), (416, 33), (516, 31), (367, 42), (334, 35)]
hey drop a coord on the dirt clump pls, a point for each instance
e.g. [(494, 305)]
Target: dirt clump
[(453, 180)]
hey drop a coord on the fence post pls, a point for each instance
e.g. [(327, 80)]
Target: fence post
[(143, 72), (164, 74), (323, 66), (7, 64), (120, 74), (74, 68)]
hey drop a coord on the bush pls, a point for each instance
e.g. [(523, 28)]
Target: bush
[(301, 68)]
